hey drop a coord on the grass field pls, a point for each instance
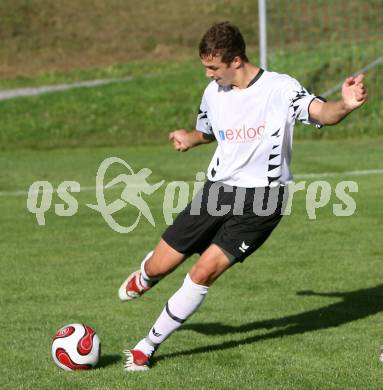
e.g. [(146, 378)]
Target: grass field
[(260, 326), (304, 312), (46, 35), (160, 97)]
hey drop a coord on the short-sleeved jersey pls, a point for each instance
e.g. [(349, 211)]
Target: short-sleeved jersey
[(254, 129)]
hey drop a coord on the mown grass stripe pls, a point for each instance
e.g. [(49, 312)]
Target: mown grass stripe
[(33, 91), (297, 176)]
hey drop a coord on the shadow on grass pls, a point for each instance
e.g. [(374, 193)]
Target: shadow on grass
[(354, 305), (108, 360)]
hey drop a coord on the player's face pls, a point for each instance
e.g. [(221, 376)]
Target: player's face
[(223, 74)]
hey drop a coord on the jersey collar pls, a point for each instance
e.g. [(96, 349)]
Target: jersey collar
[(256, 78)]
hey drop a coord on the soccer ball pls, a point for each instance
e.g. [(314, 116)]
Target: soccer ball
[(76, 347)]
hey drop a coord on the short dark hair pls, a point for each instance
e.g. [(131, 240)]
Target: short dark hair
[(223, 39)]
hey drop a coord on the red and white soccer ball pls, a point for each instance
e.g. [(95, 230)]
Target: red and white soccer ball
[(76, 347)]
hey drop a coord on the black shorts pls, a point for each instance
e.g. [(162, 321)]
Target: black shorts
[(238, 220)]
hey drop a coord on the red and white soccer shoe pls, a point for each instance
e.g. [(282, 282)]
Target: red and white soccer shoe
[(136, 360), (132, 287)]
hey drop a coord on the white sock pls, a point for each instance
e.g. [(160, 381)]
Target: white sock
[(177, 310), (146, 346), (145, 280)]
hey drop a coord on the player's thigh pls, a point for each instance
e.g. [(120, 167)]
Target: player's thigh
[(243, 234), (195, 227), (163, 260), (212, 263)]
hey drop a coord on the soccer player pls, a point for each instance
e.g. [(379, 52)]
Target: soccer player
[(250, 112)]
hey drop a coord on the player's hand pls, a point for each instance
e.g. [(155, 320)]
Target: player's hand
[(354, 93), (181, 140)]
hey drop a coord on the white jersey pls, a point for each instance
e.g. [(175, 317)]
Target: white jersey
[(254, 129)]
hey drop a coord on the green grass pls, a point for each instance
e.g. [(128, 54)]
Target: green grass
[(260, 327), (158, 99), (44, 35), (257, 328), (139, 68)]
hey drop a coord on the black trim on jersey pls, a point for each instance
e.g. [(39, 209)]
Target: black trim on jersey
[(322, 99), (273, 166), (256, 78), (271, 179), (272, 155), (204, 116)]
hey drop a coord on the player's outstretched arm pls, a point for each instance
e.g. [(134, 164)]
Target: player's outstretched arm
[(184, 140), (354, 94)]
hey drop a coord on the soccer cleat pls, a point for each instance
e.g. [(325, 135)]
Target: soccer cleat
[(131, 288), (136, 360)]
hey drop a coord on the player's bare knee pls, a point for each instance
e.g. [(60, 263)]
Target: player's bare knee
[(159, 266), (202, 274), (155, 270)]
